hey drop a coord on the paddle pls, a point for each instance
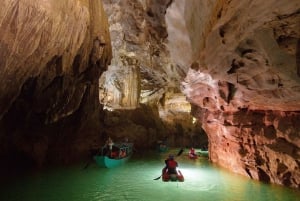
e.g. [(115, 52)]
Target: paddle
[(157, 178), (178, 154), (91, 159), (87, 164)]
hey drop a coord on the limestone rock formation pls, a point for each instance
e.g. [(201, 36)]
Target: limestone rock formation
[(243, 81), (140, 58), (236, 62), (52, 54), (141, 74)]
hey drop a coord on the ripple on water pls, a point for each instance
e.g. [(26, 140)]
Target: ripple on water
[(134, 182)]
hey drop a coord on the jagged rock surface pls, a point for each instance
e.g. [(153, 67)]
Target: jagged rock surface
[(243, 82), (141, 74), (52, 54)]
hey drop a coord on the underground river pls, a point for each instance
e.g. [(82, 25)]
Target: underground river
[(135, 181)]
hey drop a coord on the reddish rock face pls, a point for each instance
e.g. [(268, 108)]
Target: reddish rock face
[(243, 82), (262, 145)]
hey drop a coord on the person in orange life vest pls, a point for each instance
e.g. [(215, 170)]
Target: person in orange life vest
[(192, 152), (171, 165), (122, 153), (114, 154)]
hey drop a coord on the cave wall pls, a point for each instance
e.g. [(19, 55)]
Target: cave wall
[(259, 144), (140, 58), (240, 60), (243, 81), (141, 75), (52, 54)]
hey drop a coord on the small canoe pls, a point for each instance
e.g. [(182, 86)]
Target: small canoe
[(121, 154), (105, 161), (172, 177)]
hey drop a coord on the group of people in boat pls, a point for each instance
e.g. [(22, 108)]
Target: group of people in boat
[(169, 171), (112, 152)]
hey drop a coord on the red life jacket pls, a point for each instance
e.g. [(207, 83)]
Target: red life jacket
[(172, 164)]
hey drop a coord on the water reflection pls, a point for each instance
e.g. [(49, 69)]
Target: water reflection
[(134, 181)]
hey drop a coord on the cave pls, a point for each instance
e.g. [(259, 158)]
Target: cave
[(222, 75)]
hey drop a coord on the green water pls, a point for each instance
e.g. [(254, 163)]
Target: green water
[(134, 181)]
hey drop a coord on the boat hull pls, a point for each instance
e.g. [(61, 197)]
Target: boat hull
[(105, 161), (120, 154), (162, 149), (193, 156), (173, 177)]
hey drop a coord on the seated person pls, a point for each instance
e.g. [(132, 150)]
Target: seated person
[(192, 153), (122, 153), (114, 154), (109, 144), (171, 165)]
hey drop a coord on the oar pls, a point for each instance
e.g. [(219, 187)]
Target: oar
[(91, 160), (87, 164), (178, 154), (157, 178)]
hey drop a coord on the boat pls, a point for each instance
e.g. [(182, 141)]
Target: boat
[(172, 177), (162, 146), (120, 154), (202, 152), (198, 153), (193, 156)]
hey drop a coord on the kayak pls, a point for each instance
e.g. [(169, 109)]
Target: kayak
[(121, 154), (193, 156), (172, 177)]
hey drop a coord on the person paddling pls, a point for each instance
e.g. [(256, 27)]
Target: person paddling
[(171, 165), (171, 168), (192, 153)]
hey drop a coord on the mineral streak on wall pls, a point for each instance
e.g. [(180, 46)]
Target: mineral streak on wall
[(52, 54)]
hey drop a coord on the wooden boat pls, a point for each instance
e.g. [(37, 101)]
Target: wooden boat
[(121, 153), (172, 177)]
